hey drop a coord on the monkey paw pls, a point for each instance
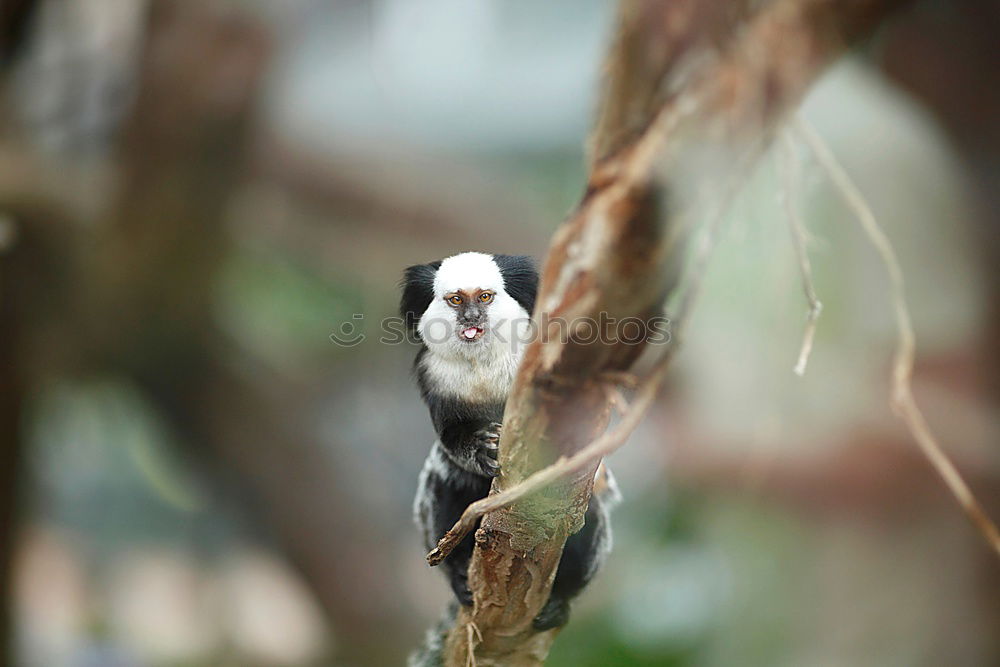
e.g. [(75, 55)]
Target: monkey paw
[(487, 449), (462, 591), (554, 614)]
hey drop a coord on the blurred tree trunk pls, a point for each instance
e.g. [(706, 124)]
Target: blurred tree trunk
[(13, 274), (16, 17), (184, 152), (130, 291)]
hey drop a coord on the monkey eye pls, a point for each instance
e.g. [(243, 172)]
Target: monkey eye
[(455, 300), (486, 297)]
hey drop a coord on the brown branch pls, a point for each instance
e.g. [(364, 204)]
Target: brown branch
[(612, 256), (655, 53)]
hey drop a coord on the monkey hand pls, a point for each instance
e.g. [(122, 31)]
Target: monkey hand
[(487, 443)]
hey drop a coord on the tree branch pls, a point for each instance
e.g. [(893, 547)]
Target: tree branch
[(693, 97)]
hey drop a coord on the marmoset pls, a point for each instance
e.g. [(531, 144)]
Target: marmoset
[(471, 313)]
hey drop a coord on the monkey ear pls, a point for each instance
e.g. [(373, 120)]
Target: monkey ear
[(520, 278), (418, 292)]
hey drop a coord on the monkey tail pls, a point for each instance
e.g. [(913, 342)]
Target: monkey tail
[(431, 652), (606, 487)]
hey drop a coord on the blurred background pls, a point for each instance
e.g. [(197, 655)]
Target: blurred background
[(195, 195)]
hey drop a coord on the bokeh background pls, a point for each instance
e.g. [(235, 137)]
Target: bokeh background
[(194, 196)]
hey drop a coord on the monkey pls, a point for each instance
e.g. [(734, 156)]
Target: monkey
[(471, 313)]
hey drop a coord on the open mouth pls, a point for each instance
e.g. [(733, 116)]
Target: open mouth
[(470, 333)]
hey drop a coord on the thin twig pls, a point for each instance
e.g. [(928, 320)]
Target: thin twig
[(472, 631), (790, 169), (903, 402)]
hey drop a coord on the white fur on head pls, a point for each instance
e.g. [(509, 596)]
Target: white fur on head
[(468, 270), (485, 368)]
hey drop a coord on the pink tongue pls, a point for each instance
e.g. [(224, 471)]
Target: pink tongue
[(470, 333)]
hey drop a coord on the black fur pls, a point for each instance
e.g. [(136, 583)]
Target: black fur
[(461, 465), (520, 279), (431, 652), (469, 432), (418, 292)]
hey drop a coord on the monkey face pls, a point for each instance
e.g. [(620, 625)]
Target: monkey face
[(471, 309), (471, 312)]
